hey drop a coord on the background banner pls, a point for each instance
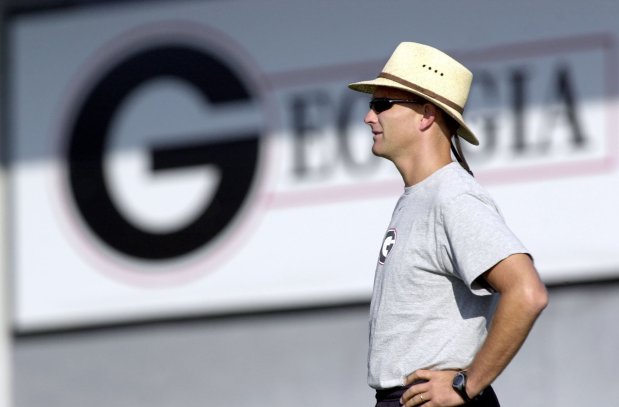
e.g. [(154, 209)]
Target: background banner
[(172, 160)]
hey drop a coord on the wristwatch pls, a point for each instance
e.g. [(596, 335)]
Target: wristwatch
[(459, 385)]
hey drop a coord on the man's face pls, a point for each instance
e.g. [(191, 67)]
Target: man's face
[(394, 129)]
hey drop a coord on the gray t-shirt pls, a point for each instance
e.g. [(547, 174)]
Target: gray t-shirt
[(428, 309)]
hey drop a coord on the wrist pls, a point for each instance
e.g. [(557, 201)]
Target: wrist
[(472, 385)]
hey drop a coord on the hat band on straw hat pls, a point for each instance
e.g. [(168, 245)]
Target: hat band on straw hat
[(426, 92)]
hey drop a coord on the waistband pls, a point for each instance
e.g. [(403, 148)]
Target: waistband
[(389, 397), (394, 393)]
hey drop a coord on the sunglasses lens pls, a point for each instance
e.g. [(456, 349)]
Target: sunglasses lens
[(380, 105)]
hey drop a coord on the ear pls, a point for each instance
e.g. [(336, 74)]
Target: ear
[(429, 116)]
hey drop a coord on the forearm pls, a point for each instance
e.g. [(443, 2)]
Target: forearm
[(514, 317)]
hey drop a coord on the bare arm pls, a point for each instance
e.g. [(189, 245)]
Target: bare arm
[(523, 297)]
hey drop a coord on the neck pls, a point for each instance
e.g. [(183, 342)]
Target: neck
[(426, 160)]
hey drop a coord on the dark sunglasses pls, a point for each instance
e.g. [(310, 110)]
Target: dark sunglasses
[(381, 104)]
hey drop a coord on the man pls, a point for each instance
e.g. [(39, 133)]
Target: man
[(455, 292)]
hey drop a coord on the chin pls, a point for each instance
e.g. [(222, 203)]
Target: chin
[(378, 153)]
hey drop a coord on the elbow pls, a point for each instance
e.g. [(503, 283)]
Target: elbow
[(536, 299)]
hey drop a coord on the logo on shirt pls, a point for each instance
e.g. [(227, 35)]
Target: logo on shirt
[(388, 243)]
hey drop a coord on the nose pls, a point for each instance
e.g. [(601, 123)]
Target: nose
[(370, 117)]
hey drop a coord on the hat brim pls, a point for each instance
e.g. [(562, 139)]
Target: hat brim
[(370, 86)]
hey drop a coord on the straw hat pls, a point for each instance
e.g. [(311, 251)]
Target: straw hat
[(431, 74)]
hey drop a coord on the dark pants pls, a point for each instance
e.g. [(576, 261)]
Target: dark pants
[(391, 398)]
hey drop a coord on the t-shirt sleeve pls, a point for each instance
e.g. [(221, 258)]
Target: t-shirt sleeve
[(477, 238)]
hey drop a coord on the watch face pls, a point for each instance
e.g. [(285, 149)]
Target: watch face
[(458, 380)]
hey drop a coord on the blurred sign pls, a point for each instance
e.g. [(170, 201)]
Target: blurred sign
[(533, 105), (169, 167)]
